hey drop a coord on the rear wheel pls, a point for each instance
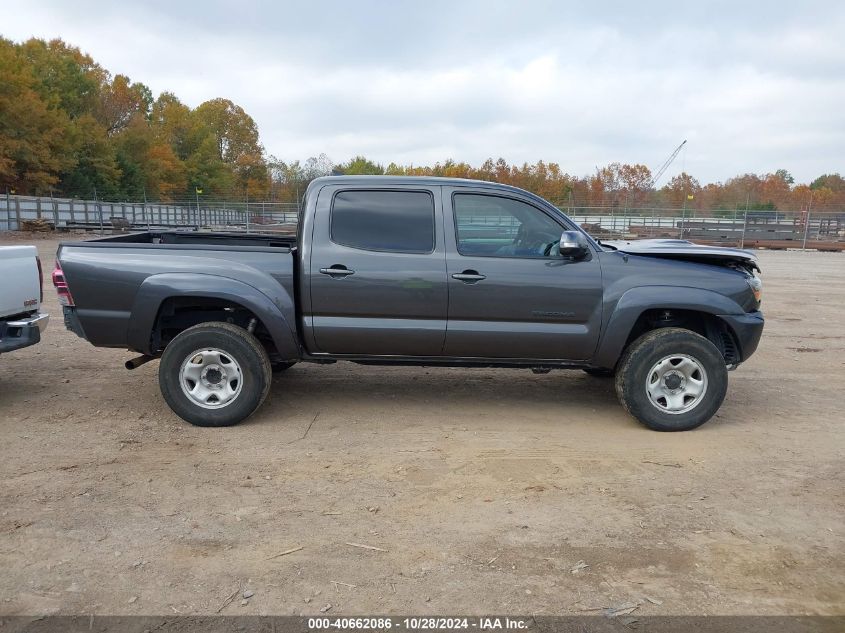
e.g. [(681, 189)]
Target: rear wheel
[(214, 374), (672, 379)]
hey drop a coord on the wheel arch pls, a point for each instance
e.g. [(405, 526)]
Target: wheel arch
[(206, 296), (644, 309)]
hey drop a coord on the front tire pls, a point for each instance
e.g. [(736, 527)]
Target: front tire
[(214, 374), (672, 379)]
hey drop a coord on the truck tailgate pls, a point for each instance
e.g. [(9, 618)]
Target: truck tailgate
[(20, 287)]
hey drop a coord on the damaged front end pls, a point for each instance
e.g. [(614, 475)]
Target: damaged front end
[(688, 251)]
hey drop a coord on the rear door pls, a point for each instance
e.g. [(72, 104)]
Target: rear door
[(378, 271), (511, 294)]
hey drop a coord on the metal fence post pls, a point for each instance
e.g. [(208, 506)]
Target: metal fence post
[(806, 228), (100, 210)]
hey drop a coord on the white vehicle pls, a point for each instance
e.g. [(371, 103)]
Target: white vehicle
[(21, 294)]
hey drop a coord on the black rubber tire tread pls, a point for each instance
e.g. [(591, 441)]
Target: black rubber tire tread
[(235, 341), (641, 355)]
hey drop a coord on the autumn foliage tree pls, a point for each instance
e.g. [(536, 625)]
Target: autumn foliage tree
[(69, 127)]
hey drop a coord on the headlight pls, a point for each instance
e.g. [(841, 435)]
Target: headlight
[(756, 285)]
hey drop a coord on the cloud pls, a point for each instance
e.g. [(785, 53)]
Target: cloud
[(753, 87)]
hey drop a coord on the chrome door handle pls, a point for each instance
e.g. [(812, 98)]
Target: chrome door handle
[(469, 276), (337, 271)]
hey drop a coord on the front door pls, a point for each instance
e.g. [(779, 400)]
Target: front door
[(511, 293), (378, 272)]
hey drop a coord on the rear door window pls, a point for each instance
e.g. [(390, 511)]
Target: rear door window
[(389, 221)]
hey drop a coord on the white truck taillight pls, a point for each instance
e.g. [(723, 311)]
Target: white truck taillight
[(61, 286)]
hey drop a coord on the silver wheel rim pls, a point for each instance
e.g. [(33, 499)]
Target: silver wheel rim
[(211, 378), (676, 384)]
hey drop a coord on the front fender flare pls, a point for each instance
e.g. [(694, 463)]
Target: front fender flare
[(157, 288), (637, 300)]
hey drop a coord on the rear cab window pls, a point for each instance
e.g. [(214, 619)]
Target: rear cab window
[(384, 220)]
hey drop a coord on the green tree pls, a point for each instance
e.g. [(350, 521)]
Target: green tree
[(234, 131), (785, 176), (96, 166), (173, 124), (66, 78), (360, 166), (834, 182), (205, 169)]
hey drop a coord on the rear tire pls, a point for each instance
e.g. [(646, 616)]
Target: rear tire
[(214, 374), (671, 379)]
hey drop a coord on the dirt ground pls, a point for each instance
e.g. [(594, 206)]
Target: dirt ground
[(484, 490)]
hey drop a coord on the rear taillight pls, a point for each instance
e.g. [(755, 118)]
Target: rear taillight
[(40, 278), (61, 286)]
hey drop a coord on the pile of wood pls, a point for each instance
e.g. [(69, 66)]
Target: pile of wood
[(39, 226), (119, 225)]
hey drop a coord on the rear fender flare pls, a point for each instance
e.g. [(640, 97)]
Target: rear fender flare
[(635, 301), (157, 288)]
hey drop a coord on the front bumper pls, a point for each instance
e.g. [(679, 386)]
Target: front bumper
[(748, 328), (22, 332)]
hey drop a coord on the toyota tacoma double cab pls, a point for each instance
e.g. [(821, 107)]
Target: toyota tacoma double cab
[(418, 271), (21, 294)]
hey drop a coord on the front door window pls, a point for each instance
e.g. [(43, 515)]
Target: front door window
[(493, 226)]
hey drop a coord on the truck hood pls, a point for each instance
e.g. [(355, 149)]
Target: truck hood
[(686, 250)]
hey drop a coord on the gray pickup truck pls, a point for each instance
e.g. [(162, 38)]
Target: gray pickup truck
[(418, 271)]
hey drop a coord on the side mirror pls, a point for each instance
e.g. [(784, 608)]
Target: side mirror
[(573, 244)]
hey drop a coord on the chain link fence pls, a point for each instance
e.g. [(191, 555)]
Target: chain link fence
[(823, 230)]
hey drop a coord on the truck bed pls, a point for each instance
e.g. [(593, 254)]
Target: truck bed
[(119, 281), (200, 239)]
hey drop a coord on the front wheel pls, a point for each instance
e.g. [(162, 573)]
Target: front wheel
[(214, 374), (672, 379)]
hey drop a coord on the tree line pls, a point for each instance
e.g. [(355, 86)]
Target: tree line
[(626, 186), (70, 128)]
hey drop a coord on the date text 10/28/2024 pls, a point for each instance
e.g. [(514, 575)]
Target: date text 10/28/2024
[(419, 623)]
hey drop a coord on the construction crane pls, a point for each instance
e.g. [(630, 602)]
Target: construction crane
[(666, 164)]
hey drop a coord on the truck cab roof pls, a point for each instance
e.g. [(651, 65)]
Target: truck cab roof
[(385, 181)]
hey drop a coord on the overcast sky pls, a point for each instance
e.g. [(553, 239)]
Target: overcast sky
[(753, 86)]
